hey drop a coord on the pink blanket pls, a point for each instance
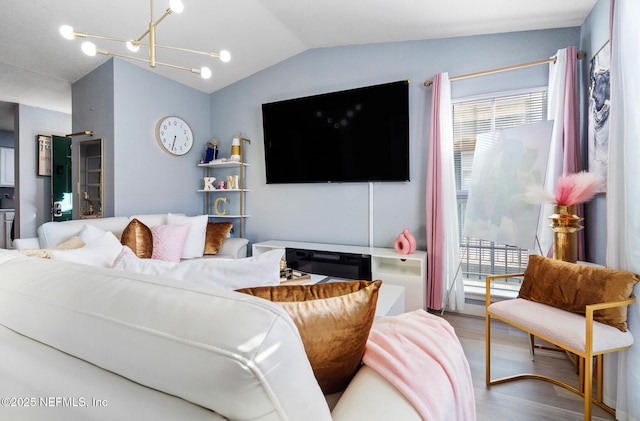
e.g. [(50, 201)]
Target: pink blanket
[(421, 356)]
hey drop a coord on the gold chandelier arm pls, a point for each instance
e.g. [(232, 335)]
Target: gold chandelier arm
[(154, 24), (188, 50), (87, 35), (174, 66)]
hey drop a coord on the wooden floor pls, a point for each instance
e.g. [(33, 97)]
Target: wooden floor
[(520, 400)]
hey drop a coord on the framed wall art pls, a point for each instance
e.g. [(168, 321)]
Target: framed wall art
[(599, 107), (44, 155)]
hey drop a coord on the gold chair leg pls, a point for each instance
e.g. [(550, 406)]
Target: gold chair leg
[(487, 352), (587, 384), (532, 346)]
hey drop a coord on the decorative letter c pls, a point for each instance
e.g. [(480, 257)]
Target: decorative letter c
[(216, 206)]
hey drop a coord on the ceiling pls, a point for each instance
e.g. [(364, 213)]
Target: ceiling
[(38, 66)]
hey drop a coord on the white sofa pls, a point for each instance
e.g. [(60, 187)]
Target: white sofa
[(51, 234), (83, 342)]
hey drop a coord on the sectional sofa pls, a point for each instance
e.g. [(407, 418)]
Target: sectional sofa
[(80, 339)]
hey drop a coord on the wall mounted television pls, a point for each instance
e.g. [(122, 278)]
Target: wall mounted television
[(356, 135)]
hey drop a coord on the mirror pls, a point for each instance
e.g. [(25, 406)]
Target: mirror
[(90, 181)]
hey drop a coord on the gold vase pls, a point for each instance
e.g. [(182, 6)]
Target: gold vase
[(565, 224)]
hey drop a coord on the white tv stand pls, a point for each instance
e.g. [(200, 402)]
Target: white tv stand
[(407, 270)]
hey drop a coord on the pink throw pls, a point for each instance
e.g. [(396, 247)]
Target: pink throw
[(421, 356)]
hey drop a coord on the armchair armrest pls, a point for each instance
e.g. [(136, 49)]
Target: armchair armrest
[(235, 248), (26, 243), (590, 308), (492, 277)]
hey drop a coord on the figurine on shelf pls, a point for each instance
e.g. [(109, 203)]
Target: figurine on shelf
[(211, 153), (208, 183)]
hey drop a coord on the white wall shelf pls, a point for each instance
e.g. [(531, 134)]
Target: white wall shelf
[(223, 168)]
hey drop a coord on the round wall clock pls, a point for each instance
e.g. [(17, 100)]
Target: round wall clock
[(174, 135)]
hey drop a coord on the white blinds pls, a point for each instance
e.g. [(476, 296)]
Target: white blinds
[(474, 117)]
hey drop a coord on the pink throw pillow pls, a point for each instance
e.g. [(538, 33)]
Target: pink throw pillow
[(168, 241)]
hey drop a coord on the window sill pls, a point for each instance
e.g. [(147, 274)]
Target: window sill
[(475, 299), (478, 293)]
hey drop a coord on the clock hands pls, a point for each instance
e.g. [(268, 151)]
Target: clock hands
[(174, 143)]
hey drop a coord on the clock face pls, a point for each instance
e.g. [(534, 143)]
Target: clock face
[(174, 135)]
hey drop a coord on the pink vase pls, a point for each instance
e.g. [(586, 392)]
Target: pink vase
[(412, 240), (405, 242)]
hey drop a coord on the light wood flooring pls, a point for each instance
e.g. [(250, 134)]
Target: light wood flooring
[(521, 400)]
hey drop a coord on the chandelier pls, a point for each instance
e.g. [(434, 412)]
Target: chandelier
[(175, 6)]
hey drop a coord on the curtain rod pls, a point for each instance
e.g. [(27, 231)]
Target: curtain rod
[(428, 83)]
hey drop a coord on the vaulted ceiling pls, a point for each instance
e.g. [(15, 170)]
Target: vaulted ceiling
[(37, 66)]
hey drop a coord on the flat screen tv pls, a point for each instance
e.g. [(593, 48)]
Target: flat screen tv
[(357, 135)]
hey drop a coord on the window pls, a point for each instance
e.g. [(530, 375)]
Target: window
[(480, 258)]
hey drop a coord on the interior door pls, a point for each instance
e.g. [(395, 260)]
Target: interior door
[(61, 191)]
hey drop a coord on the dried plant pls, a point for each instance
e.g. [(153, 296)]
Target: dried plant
[(571, 189)]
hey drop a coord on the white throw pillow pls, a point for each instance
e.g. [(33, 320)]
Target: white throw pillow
[(262, 270), (88, 233), (125, 253), (194, 244), (102, 251), (146, 266)]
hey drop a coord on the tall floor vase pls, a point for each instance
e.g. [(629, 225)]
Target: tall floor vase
[(565, 225)]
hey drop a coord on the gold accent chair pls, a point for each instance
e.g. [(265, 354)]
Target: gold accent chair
[(577, 333)]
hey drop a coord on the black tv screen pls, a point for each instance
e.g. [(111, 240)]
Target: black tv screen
[(357, 135)]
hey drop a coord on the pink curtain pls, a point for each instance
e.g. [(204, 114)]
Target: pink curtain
[(435, 235)]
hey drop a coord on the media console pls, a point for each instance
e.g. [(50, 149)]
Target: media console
[(355, 262)]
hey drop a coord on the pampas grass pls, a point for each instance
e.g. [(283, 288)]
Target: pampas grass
[(577, 188), (571, 189), (537, 194)]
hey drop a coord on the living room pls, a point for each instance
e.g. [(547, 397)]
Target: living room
[(121, 103)]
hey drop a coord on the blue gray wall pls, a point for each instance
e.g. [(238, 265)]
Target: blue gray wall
[(338, 213), (33, 192), (122, 103)]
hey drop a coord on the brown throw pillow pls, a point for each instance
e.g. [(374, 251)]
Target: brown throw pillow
[(334, 320), (137, 236), (216, 234), (572, 287)]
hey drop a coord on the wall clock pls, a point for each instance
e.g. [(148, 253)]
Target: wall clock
[(174, 135)]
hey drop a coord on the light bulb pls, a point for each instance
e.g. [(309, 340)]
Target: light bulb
[(67, 32), (176, 6), (205, 72), (89, 48), (225, 56), (133, 47)]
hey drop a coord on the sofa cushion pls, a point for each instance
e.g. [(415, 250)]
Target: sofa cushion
[(53, 233), (100, 252), (168, 241), (152, 219), (216, 233), (194, 243), (334, 320), (572, 287), (137, 236), (88, 233), (237, 355)]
